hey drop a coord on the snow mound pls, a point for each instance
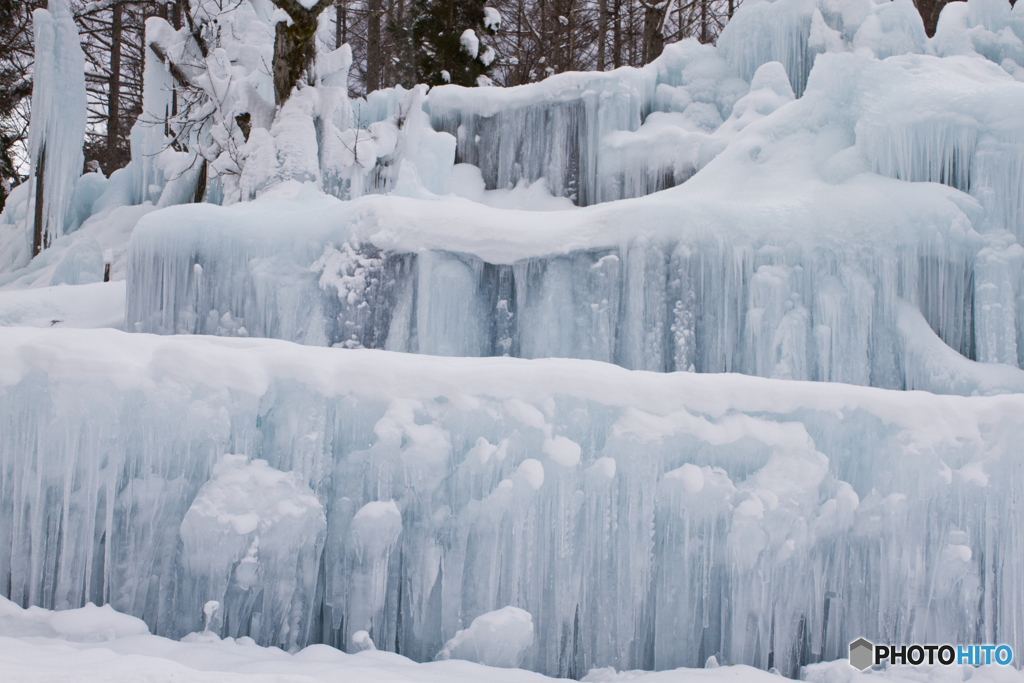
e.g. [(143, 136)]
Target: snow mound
[(499, 638), (89, 624)]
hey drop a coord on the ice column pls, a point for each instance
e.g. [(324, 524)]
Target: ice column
[(58, 114)]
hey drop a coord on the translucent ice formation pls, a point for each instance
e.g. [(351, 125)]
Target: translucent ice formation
[(642, 520), (58, 115), (785, 256)]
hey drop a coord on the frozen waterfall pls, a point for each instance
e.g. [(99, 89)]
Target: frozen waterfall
[(643, 520), (627, 369)]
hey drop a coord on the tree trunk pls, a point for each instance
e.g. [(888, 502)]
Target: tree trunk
[(545, 43), (617, 34), (570, 61), (373, 9), (653, 40), (37, 236), (704, 21), (340, 23), (602, 32), (294, 46), (200, 192), (929, 11), (114, 92)]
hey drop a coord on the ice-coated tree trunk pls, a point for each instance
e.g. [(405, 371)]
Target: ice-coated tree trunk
[(57, 129), (294, 45)]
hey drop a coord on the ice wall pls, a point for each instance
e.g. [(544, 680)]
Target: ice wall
[(710, 305), (559, 129), (784, 257), (642, 520), (579, 130)]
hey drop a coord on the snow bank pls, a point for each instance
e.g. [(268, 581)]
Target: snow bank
[(89, 624), (689, 502)]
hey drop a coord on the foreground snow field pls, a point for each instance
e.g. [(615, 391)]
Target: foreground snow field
[(98, 645)]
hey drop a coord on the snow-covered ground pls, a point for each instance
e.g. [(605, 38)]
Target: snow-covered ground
[(100, 304), (98, 645)]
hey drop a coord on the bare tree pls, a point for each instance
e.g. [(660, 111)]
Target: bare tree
[(16, 56), (112, 39)]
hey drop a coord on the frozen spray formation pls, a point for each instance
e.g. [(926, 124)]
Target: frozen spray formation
[(826, 195)]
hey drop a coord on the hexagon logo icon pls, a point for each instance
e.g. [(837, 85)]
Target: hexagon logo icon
[(861, 654)]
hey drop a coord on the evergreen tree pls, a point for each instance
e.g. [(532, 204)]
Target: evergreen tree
[(446, 34)]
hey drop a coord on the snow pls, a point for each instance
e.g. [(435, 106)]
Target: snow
[(468, 182), (29, 654), (492, 18), (87, 625), (99, 304), (470, 43)]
